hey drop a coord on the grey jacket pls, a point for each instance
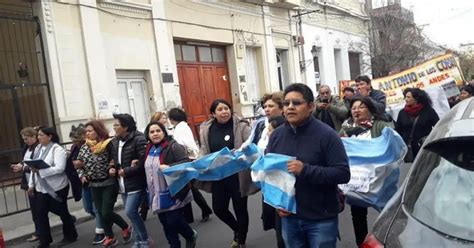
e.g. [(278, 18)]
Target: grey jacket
[(241, 133), (337, 111)]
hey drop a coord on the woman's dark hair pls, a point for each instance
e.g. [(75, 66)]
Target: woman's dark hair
[(162, 127), (276, 121), (369, 104), (277, 97), (420, 96), (50, 131), (177, 114), (99, 128), (127, 121), (303, 89), (469, 89), (216, 102)]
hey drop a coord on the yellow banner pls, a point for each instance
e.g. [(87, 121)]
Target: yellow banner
[(443, 70)]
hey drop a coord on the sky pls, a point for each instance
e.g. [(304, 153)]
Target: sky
[(448, 23)]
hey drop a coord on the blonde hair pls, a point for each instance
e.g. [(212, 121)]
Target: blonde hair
[(29, 132), (157, 116)]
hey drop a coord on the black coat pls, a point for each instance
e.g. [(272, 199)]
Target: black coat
[(134, 148), (426, 120), (76, 184)]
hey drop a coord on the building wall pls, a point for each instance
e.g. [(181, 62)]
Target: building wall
[(335, 31), (86, 48)]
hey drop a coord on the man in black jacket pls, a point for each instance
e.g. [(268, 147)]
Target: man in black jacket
[(364, 88), (321, 164), (130, 145)]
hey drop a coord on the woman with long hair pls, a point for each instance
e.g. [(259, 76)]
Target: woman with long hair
[(95, 156), (162, 152), (227, 130), (364, 123), (416, 120), (50, 187)]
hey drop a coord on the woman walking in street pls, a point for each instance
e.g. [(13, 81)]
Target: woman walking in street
[(365, 123), (184, 136), (93, 163), (416, 120), (227, 130), (29, 136), (129, 147), (162, 152), (52, 187)]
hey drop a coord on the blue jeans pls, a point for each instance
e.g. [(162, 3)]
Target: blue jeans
[(132, 202), (90, 208), (174, 224), (301, 233)]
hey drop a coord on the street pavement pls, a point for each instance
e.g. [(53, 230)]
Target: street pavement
[(214, 233)]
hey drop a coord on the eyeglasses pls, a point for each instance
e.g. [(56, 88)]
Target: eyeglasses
[(296, 102), (358, 108)]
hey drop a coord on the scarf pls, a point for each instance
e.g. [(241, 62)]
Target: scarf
[(414, 110), (98, 147)]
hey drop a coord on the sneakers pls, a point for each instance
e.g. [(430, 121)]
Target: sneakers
[(234, 244), (98, 239), (33, 238), (127, 234), (110, 242), (192, 243)]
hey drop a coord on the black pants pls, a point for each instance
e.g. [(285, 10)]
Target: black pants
[(359, 221), (201, 202), (45, 204), (31, 200), (222, 192), (279, 235)]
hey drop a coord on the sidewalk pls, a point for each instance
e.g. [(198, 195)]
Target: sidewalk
[(18, 227)]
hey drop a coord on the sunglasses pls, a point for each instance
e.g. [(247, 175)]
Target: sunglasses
[(296, 102)]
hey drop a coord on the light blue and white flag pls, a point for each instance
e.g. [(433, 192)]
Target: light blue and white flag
[(374, 165), (212, 167), (271, 175)]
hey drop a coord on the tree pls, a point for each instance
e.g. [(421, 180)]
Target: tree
[(396, 42), (466, 62)]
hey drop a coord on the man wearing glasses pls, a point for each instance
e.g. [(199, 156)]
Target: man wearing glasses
[(321, 164)]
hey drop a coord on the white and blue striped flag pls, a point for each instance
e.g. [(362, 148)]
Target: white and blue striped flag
[(271, 175), (212, 167), (374, 165)]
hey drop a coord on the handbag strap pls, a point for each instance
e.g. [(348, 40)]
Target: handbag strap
[(413, 128)]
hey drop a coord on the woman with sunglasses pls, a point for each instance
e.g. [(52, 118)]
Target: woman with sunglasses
[(227, 130), (365, 123)]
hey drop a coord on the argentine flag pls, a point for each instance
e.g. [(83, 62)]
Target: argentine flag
[(374, 165), (271, 175), (212, 167)]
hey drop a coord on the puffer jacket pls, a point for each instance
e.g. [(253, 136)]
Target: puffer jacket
[(134, 148), (241, 133)]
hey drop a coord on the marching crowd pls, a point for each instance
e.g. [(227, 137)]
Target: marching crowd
[(98, 168)]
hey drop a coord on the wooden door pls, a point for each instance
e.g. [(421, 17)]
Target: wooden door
[(199, 86)]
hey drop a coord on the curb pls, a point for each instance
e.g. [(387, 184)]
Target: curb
[(20, 234)]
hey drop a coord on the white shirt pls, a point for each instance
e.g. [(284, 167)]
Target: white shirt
[(121, 180), (55, 175), (184, 136)]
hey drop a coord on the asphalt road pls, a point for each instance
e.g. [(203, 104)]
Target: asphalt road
[(215, 234)]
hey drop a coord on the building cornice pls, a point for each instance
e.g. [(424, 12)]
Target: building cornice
[(143, 10)]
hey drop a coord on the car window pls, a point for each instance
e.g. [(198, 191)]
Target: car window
[(440, 190)]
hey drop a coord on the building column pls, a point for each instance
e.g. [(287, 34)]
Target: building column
[(168, 91)]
